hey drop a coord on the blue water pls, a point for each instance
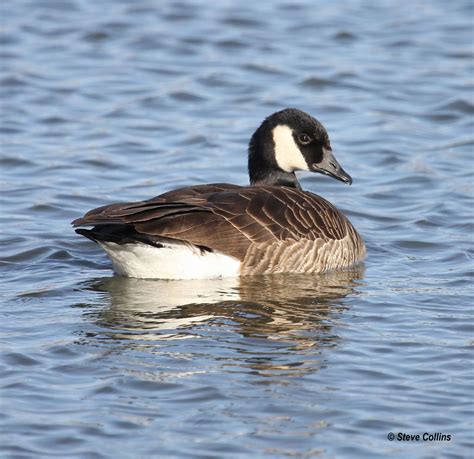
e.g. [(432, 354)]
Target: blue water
[(123, 100)]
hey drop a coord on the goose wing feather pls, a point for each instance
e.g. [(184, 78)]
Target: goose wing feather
[(226, 218)]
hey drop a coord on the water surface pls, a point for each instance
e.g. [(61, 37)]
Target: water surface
[(123, 100)]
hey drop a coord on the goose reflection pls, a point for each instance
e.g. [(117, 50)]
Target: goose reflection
[(297, 308)]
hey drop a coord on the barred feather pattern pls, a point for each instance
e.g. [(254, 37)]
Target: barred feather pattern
[(270, 229)]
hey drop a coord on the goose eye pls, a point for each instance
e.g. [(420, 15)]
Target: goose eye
[(304, 139)]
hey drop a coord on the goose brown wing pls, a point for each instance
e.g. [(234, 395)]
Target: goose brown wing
[(114, 213), (227, 218)]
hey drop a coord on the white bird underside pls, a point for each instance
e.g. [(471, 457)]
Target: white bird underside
[(172, 261), (181, 260)]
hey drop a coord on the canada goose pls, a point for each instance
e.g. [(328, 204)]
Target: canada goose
[(223, 230)]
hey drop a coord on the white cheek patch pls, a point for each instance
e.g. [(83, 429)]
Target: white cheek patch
[(287, 154)]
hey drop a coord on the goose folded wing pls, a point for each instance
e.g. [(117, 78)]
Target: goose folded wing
[(116, 213), (225, 219)]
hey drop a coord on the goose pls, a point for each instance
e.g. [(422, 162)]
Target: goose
[(225, 230)]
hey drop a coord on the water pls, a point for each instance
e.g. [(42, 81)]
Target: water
[(123, 100)]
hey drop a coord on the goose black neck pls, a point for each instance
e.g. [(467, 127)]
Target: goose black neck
[(262, 165), (276, 178)]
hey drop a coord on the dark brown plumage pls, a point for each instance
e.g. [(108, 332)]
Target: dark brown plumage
[(229, 219)]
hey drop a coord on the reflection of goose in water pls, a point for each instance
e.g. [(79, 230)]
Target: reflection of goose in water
[(295, 308)]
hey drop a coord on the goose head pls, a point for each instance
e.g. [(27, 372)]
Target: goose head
[(288, 141)]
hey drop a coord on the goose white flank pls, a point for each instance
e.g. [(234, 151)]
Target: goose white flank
[(224, 230)]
